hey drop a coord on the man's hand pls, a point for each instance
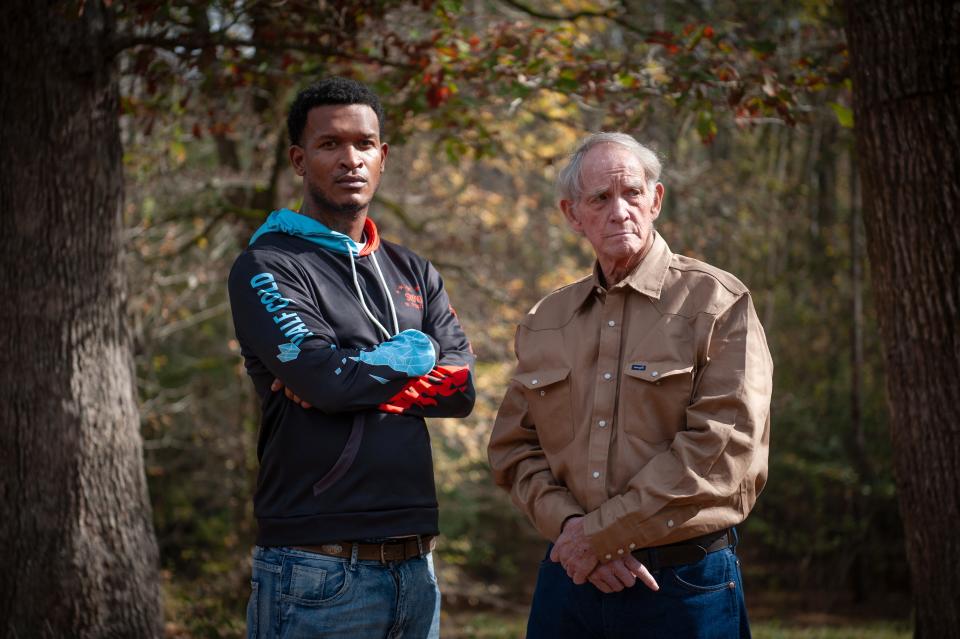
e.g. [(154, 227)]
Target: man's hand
[(574, 552), (277, 385), (621, 573)]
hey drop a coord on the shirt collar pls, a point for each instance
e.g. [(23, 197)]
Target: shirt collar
[(647, 277)]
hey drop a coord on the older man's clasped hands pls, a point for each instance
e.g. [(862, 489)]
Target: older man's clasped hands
[(573, 551)]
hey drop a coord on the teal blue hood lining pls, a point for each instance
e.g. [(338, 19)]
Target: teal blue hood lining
[(293, 223)]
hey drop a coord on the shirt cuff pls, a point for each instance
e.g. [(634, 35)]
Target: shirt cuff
[(553, 509), (608, 543), (622, 536)]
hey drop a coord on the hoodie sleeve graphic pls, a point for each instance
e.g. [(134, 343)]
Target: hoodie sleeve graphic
[(278, 323), (447, 390)]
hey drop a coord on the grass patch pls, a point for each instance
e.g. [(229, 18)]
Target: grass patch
[(853, 630), (489, 625), (481, 625)]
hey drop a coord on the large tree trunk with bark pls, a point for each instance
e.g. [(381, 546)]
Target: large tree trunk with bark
[(905, 58), (79, 557)]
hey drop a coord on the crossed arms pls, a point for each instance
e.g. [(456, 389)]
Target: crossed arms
[(285, 337)]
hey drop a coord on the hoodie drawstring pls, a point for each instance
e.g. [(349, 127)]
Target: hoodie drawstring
[(386, 292)]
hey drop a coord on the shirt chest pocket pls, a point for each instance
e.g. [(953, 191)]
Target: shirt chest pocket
[(547, 393), (655, 396)]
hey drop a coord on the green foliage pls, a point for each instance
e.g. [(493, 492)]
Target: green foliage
[(777, 630), (844, 115), (483, 626), (208, 605), (476, 521), (499, 626)]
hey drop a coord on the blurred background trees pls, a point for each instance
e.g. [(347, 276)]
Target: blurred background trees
[(749, 104)]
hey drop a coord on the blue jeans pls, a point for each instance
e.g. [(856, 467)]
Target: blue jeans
[(303, 595), (703, 600)]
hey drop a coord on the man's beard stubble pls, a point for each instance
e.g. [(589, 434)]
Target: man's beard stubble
[(323, 203)]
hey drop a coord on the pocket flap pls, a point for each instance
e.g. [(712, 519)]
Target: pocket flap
[(651, 371), (539, 379)]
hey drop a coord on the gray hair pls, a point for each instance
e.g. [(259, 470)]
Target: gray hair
[(570, 181)]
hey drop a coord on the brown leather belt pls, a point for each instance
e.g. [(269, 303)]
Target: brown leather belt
[(392, 550), (689, 551)]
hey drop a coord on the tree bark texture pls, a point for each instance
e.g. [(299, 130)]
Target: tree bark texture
[(905, 60), (79, 556)]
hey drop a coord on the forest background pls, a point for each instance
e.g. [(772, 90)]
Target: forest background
[(748, 103)]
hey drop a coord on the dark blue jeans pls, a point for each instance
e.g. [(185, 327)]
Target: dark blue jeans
[(695, 601)]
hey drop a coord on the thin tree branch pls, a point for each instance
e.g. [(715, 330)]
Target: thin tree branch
[(609, 14), (471, 278), (193, 320), (224, 212), (400, 213), (565, 17), (204, 232), (206, 41)]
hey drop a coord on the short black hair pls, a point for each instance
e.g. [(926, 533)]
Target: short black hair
[(332, 90)]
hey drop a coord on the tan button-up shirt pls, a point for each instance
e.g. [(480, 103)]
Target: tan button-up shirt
[(645, 407)]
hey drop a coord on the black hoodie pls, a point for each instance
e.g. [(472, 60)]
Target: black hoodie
[(358, 464)]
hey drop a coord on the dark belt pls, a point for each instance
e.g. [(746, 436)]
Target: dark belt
[(689, 551), (392, 550)]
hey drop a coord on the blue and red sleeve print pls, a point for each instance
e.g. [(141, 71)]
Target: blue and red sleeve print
[(278, 323), (447, 390)]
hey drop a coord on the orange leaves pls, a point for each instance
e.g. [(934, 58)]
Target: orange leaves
[(438, 92), (437, 95)]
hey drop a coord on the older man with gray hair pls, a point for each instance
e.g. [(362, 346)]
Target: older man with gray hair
[(634, 432)]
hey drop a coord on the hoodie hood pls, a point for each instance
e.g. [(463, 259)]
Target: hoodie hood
[(293, 223)]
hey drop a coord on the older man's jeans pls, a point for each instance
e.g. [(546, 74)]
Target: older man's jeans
[(703, 600), (304, 595)]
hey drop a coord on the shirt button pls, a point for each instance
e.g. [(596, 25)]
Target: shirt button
[(599, 291), (602, 423), (542, 393), (611, 323), (596, 474), (608, 556), (620, 551), (670, 523), (653, 374), (534, 381), (632, 546), (607, 375)]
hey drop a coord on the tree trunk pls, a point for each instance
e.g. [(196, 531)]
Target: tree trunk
[(905, 60), (79, 557)]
